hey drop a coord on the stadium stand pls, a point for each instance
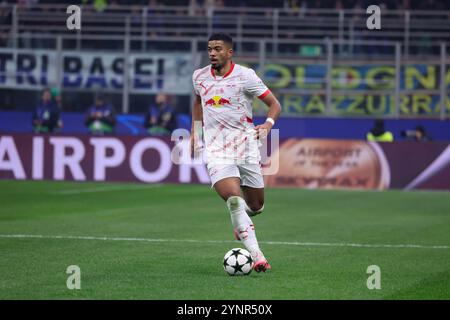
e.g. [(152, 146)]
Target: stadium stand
[(397, 72)]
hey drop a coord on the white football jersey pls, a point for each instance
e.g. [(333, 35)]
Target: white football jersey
[(228, 127)]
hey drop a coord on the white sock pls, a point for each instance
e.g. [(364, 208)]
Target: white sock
[(243, 224)]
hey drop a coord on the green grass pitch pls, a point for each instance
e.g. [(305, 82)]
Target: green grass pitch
[(135, 241)]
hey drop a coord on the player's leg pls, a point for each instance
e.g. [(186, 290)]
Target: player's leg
[(229, 190), (254, 199), (227, 185), (225, 179), (252, 184)]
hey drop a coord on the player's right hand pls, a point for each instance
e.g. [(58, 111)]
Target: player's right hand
[(262, 130), (192, 144), (196, 145)]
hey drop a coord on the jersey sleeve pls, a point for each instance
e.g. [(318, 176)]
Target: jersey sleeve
[(255, 86)]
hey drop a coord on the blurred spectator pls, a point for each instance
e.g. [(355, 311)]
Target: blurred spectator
[(100, 117), (6, 99), (161, 118), (406, 5), (46, 117), (27, 3), (418, 134), (56, 96), (379, 133), (4, 39), (431, 5), (315, 4), (99, 5), (5, 14)]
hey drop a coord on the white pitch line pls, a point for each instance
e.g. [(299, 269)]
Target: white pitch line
[(106, 189), (305, 244)]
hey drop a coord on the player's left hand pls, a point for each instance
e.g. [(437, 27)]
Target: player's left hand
[(262, 131)]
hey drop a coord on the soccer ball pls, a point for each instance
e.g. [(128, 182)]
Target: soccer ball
[(238, 262)]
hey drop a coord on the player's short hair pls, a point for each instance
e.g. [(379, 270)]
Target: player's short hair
[(226, 38)]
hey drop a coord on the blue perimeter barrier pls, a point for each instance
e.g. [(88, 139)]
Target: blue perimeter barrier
[(336, 128)]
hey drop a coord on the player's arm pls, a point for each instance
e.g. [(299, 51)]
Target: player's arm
[(197, 120), (274, 112)]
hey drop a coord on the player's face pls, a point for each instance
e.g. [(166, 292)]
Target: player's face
[(98, 102), (46, 96), (219, 53)]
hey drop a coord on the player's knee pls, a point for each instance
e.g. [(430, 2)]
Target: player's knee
[(256, 206), (227, 195)]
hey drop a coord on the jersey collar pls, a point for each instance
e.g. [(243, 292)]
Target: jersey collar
[(227, 74)]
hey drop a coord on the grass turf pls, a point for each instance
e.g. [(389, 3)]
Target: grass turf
[(35, 268)]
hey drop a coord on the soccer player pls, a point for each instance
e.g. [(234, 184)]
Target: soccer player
[(223, 107)]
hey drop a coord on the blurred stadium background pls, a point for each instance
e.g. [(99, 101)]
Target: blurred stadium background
[(333, 77), (317, 56)]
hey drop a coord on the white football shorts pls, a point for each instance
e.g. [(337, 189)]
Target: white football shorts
[(250, 174)]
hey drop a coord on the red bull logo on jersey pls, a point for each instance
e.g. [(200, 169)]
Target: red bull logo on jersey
[(216, 102)]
